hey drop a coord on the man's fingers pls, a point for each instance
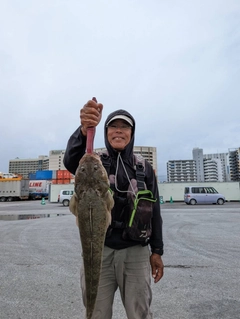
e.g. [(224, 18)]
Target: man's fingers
[(91, 107), (158, 275), (154, 270), (157, 267), (90, 115), (100, 107)]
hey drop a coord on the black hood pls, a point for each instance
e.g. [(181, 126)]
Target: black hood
[(128, 151)]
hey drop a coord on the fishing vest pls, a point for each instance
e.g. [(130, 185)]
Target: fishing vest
[(133, 213)]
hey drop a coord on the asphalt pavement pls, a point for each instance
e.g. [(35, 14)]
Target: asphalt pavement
[(40, 258)]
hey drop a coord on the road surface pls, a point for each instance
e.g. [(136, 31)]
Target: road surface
[(41, 257)]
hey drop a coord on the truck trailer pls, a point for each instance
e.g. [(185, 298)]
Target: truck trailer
[(38, 189), (13, 189)]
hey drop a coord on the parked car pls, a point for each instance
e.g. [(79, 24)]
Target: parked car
[(65, 196), (203, 195)]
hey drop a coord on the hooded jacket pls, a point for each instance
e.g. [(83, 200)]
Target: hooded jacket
[(76, 147)]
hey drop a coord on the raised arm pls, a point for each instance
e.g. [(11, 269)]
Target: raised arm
[(90, 116)]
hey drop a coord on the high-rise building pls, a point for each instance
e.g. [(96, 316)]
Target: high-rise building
[(234, 164), (215, 167), (207, 167), (212, 168), (197, 154), (222, 165), (181, 171)]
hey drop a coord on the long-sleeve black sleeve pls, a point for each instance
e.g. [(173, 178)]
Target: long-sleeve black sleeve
[(156, 239), (75, 150)]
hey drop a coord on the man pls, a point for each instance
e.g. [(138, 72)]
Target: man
[(126, 261)]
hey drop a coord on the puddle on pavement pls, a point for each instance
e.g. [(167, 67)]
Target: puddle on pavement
[(28, 216)]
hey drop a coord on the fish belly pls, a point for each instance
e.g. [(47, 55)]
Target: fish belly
[(93, 222)]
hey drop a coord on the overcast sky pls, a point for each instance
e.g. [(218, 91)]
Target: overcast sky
[(174, 65)]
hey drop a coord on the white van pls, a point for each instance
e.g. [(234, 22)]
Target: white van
[(203, 195), (65, 196)]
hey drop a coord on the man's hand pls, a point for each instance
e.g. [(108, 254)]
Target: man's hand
[(157, 267), (90, 115)]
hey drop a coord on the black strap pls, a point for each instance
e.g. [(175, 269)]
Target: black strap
[(140, 176)]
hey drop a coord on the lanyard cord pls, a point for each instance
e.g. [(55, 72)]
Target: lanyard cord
[(117, 167)]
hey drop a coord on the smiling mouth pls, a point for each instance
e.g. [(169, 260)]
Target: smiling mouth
[(118, 138)]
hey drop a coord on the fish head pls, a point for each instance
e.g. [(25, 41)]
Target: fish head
[(91, 173)]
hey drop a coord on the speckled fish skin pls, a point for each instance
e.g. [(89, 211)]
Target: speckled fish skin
[(92, 204)]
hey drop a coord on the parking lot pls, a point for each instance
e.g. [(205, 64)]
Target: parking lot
[(41, 257)]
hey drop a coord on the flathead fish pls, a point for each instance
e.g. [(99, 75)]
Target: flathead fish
[(91, 204)]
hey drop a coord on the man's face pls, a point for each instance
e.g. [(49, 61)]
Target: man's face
[(119, 134)]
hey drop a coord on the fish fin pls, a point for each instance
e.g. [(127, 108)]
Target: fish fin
[(110, 204), (73, 205), (110, 201)]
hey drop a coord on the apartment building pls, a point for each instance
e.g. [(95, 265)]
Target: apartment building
[(212, 170), (221, 160), (197, 155), (207, 168), (234, 164), (181, 171)]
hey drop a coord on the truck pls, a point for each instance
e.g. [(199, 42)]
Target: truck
[(38, 189), (13, 189)]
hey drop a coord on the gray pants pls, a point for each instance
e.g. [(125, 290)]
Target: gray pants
[(128, 269)]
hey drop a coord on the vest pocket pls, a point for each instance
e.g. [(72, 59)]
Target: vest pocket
[(139, 226)]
